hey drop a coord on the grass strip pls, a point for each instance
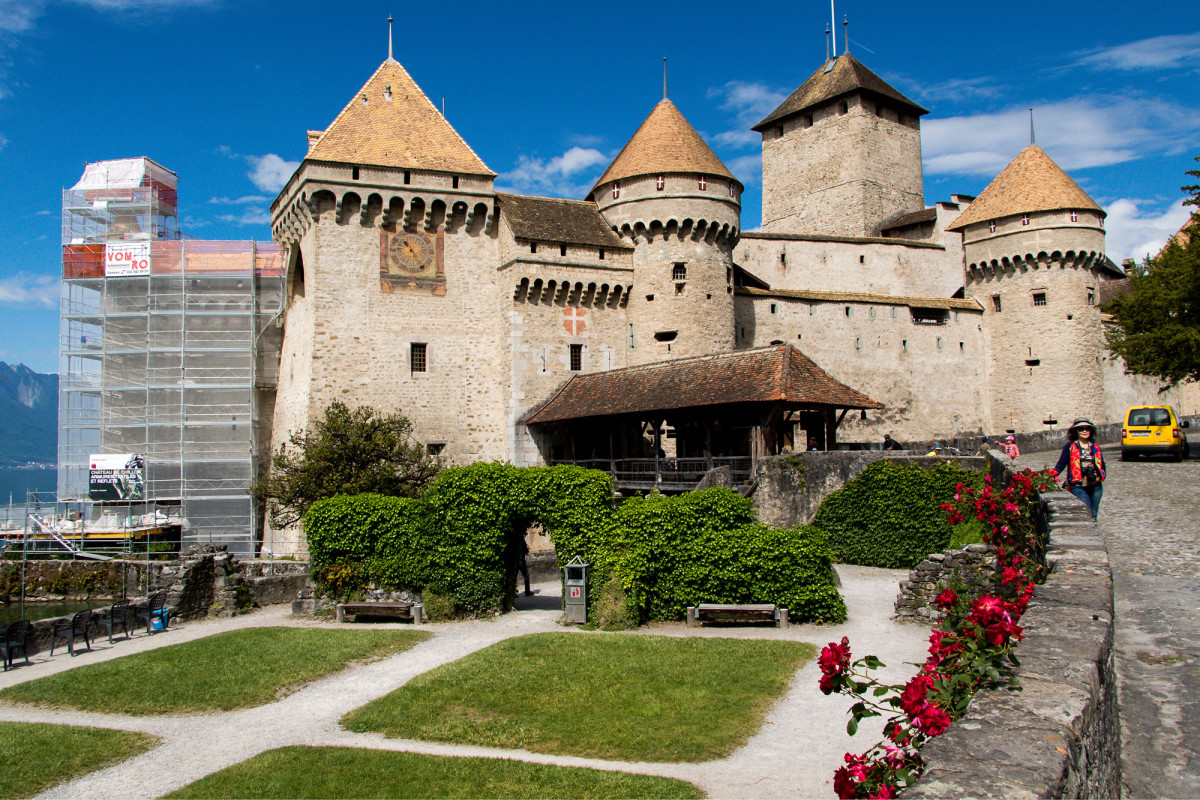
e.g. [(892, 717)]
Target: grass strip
[(36, 756), (227, 671), (625, 697), (337, 772)]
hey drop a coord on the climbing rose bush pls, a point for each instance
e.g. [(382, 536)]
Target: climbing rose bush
[(970, 648)]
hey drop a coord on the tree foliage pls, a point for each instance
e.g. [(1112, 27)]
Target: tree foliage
[(1157, 323), (347, 452)]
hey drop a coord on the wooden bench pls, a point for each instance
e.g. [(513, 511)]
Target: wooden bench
[(734, 612), (400, 610)]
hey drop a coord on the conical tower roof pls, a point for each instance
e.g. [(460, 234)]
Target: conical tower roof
[(840, 76), (665, 142), (1031, 182), (406, 131)]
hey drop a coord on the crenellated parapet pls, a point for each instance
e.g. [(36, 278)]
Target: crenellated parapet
[(994, 269), (562, 293), (712, 232)]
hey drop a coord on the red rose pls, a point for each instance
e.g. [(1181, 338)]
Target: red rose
[(946, 600)]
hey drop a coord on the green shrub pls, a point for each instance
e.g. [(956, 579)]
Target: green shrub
[(663, 553), (891, 515), (612, 606), (438, 607), (969, 531)]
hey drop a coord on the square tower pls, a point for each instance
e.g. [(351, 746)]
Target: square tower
[(841, 155)]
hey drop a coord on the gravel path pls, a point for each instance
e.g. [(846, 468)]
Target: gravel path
[(793, 755)]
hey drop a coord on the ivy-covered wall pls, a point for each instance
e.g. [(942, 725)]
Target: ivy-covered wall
[(459, 540), (891, 514)]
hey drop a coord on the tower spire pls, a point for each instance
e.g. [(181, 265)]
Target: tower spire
[(828, 52), (1032, 138), (390, 58), (846, 33), (664, 77)]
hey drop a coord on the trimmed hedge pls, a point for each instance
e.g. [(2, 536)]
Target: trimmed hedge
[(459, 540), (891, 514)]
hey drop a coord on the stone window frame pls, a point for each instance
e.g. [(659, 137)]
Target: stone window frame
[(660, 182), (575, 356), (1040, 299), (616, 190), (1091, 295), (418, 358), (702, 183), (996, 306), (679, 271)]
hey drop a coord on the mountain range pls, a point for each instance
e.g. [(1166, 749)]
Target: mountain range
[(28, 416)]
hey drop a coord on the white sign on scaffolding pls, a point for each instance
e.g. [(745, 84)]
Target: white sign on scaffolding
[(122, 259)]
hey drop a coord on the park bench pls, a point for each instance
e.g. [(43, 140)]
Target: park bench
[(737, 612), (399, 610)]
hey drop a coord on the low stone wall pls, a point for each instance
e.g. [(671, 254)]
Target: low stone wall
[(966, 567), (791, 487), (1060, 735), (205, 582)]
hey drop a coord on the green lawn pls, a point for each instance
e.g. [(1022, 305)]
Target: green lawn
[(337, 772), (224, 672), (626, 697), (34, 756)]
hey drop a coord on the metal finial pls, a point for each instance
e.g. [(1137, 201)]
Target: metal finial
[(664, 77), (846, 33), (390, 38), (828, 54), (1032, 138), (833, 26)]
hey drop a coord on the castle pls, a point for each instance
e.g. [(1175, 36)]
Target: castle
[(412, 284)]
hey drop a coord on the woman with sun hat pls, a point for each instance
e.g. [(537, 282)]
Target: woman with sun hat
[(1084, 465)]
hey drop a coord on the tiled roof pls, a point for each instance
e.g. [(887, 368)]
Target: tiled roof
[(544, 219), (406, 132), (864, 297), (1031, 182), (846, 76), (665, 142), (778, 374)]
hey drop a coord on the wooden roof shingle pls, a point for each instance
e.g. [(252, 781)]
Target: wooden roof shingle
[(664, 143), (1031, 182), (406, 132), (844, 75), (779, 373), (546, 219)]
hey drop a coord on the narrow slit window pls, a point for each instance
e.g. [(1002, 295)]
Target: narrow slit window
[(533, 247), (601, 253), (454, 182), (354, 173), (616, 190), (562, 249), (418, 357), (407, 177), (996, 303)]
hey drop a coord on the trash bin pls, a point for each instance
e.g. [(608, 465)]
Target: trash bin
[(159, 620), (575, 590)]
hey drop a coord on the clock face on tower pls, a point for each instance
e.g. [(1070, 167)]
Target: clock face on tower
[(411, 261)]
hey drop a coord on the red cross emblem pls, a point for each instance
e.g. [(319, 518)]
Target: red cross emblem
[(574, 323)]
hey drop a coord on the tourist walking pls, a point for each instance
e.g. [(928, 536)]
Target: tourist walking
[(1084, 465)]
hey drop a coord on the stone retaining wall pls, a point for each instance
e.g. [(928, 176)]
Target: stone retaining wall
[(1060, 735), (953, 568)]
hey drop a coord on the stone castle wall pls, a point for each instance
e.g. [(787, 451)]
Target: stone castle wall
[(930, 378), (843, 264)]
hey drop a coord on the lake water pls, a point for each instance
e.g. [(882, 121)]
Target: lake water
[(14, 482), (42, 609)]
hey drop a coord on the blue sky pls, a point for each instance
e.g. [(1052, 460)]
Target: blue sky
[(222, 92)]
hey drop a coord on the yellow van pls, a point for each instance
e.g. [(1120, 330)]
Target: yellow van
[(1153, 431)]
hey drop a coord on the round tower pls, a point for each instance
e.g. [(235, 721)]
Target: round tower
[(670, 196), (1033, 248)]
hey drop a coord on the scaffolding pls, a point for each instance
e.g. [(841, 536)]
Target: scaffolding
[(168, 349)]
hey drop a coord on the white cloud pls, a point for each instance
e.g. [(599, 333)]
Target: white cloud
[(953, 90), (18, 16), (239, 201), (29, 290), (749, 103), (747, 169), (1134, 231), (1077, 133), (1158, 52), (248, 217), (42, 213), (144, 6), (559, 176), (270, 172)]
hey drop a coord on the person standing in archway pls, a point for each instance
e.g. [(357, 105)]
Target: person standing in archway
[(1084, 465), (522, 567)]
